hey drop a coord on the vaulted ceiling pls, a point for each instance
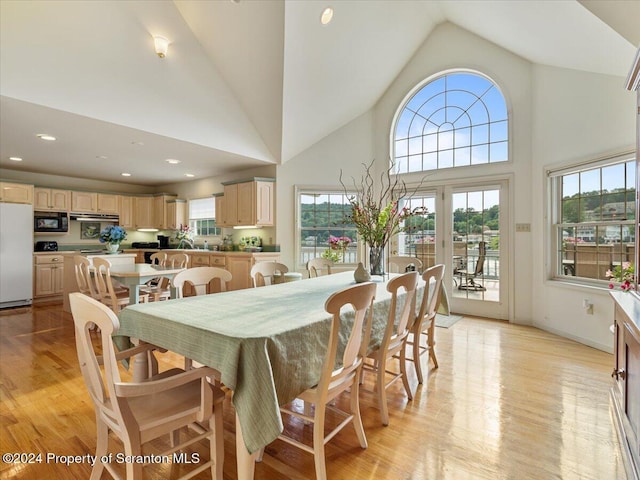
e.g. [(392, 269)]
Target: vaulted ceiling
[(245, 83)]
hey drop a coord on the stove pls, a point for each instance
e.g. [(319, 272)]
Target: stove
[(145, 245)]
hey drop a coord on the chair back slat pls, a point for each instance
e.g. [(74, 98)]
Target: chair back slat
[(360, 297)]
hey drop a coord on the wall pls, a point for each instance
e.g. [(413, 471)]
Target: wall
[(346, 149), (450, 47), (577, 116), (557, 115)]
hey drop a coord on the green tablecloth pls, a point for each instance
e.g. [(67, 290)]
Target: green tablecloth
[(268, 343)]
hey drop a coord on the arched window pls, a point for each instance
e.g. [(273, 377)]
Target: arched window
[(456, 120)]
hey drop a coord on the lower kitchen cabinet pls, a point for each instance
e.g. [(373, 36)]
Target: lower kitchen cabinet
[(49, 275)]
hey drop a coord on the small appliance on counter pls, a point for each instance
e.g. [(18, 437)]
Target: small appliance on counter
[(164, 241), (46, 247)]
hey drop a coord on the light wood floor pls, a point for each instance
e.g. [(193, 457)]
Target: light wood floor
[(508, 402)]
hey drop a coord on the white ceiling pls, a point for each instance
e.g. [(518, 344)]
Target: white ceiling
[(245, 83)]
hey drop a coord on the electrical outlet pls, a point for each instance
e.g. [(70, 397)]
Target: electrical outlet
[(523, 227)]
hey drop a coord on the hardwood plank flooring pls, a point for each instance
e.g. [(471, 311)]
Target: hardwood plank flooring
[(508, 402)]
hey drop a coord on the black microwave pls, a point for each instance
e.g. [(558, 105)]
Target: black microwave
[(50, 222)]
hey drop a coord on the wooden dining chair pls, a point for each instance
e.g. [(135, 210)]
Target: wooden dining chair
[(338, 377), (393, 345), (263, 273), (138, 413), (425, 321), (84, 279), (200, 278), (157, 288), (402, 264), (319, 266), (104, 286), (177, 260)]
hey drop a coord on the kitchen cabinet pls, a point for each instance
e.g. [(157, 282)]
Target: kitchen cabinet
[(144, 213), (160, 217), (198, 260), (249, 203), (176, 213), (221, 211), (49, 275), (125, 211), (16, 193), (51, 199), (86, 202), (108, 203), (625, 392)]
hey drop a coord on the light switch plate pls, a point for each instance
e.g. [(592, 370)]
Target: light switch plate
[(523, 227)]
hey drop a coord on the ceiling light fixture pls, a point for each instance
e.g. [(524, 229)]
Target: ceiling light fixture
[(161, 44), (125, 174), (326, 16), (46, 136), (189, 175), (172, 161), (15, 159)]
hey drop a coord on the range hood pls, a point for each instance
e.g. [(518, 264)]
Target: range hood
[(94, 217)]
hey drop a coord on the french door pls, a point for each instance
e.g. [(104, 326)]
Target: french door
[(466, 228)]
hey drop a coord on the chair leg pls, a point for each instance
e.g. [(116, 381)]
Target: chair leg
[(318, 442), (382, 391), (403, 371), (101, 449), (355, 411), (416, 352), (431, 342)]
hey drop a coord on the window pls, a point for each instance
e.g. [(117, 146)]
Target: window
[(202, 217), (456, 120), (322, 215), (595, 214)]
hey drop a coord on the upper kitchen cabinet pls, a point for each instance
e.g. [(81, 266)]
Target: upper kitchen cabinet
[(176, 213), (221, 211), (126, 211), (108, 203), (16, 193), (160, 211), (50, 199), (143, 212), (249, 202), (84, 202)]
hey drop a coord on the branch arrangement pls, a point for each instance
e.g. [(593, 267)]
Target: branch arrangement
[(377, 217)]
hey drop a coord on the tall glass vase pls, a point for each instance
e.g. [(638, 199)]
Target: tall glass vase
[(376, 260)]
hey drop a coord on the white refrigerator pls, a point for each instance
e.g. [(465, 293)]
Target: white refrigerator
[(16, 254)]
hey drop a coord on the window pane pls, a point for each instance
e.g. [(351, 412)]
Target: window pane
[(596, 197), (461, 109)]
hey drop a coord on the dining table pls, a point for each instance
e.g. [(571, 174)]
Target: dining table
[(268, 344), (133, 275)]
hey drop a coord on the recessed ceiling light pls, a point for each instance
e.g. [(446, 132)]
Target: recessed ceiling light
[(189, 175), (172, 161), (326, 16), (125, 174), (15, 159), (46, 136)]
